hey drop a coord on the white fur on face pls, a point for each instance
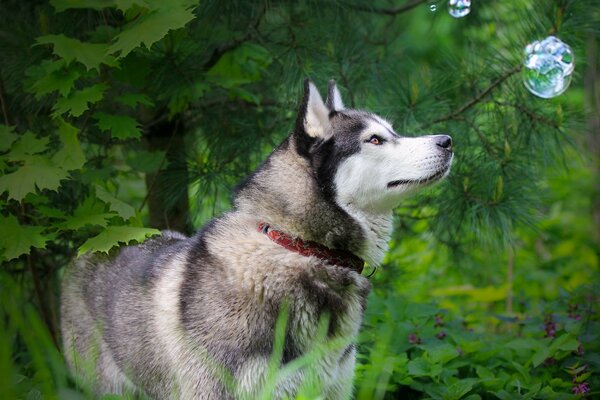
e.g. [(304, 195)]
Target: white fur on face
[(363, 180)]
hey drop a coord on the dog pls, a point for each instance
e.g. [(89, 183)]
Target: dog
[(196, 318)]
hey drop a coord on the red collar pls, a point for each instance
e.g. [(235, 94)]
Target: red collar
[(307, 248)]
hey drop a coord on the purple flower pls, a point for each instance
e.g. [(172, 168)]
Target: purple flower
[(580, 388), (579, 351), (549, 327), (439, 320), (413, 338), (441, 335)]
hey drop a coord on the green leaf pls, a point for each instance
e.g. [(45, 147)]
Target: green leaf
[(17, 239), (70, 156), (89, 54), (540, 356), (239, 66), (113, 235), (27, 145), (50, 76), (120, 126), (120, 207), (150, 28), (7, 137), (90, 212), (441, 353), (565, 342), (78, 102), (37, 172), (457, 390), (422, 367)]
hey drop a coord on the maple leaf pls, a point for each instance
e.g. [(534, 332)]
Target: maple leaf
[(89, 54), (17, 239), (28, 144), (50, 76), (90, 212), (120, 126), (116, 205), (113, 235), (150, 28), (7, 137), (78, 102), (36, 172), (70, 156)]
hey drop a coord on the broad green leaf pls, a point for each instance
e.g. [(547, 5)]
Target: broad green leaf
[(150, 28), (70, 156), (239, 66), (90, 212), (113, 236), (565, 342), (120, 126), (441, 353), (120, 207), (7, 137), (458, 389), (52, 75), (89, 54), (37, 172), (17, 239), (422, 367), (78, 102), (27, 145)]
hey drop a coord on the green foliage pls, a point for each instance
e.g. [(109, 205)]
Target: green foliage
[(18, 239), (111, 107), (114, 235)]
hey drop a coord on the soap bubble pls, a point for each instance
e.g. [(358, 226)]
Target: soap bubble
[(459, 8), (548, 67)]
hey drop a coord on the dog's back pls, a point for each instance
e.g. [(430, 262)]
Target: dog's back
[(107, 312)]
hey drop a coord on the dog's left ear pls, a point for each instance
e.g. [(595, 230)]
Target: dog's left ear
[(313, 116), (334, 98)]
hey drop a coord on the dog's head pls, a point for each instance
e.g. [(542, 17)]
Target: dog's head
[(358, 160)]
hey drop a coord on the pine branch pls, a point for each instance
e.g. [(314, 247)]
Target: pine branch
[(221, 50), (475, 100), (387, 11), (536, 117)]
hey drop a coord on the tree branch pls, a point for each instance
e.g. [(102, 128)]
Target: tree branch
[(475, 99), (387, 11), (221, 50)]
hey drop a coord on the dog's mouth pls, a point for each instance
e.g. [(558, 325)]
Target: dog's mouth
[(433, 177)]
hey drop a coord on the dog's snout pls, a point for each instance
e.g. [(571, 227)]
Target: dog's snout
[(444, 141)]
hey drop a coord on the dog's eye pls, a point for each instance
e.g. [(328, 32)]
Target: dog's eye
[(376, 140)]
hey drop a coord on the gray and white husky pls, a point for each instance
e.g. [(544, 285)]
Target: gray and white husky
[(194, 318)]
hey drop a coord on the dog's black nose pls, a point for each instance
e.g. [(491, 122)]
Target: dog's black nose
[(444, 141)]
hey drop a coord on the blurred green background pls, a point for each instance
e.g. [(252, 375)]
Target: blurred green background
[(122, 117)]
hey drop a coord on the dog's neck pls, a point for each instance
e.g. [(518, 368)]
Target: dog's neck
[(377, 229), (283, 193)]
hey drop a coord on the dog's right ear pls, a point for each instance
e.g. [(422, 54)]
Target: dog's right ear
[(334, 98), (313, 116)]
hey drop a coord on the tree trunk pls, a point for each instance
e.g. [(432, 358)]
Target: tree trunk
[(167, 188)]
